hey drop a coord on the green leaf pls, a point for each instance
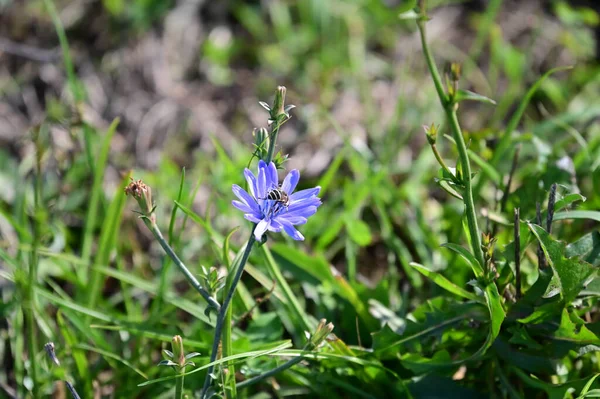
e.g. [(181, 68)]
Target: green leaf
[(95, 198), (406, 5), (448, 187), (112, 356), (444, 283), (586, 248), (573, 329), (566, 201), (358, 231), (463, 95), (592, 215), (429, 319), (408, 15), (587, 387), (570, 273), (468, 256)]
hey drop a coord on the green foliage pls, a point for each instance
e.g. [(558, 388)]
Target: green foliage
[(389, 259)]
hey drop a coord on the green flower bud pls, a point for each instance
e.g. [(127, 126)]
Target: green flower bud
[(177, 348), (431, 133), (278, 107)]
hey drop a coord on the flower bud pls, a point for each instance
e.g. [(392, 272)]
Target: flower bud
[(278, 107), (177, 348), (142, 194), (431, 133), (455, 71), (322, 331)]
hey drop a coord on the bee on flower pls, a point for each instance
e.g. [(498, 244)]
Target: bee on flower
[(275, 207)]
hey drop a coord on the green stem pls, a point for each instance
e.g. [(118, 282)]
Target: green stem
[(151, 224), (244, 384), (440, 160), (460, 144), (222, 313), (179, 386), (228, 351), (272, 141), (271, 372)]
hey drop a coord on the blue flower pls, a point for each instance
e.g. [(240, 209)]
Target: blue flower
[(275, 214)]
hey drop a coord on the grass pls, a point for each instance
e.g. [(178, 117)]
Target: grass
[(421, 304)]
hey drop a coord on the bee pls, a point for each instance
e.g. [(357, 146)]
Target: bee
[(279, 196)]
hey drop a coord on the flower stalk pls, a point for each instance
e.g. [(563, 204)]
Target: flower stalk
[(143, 195), (222, 313), (450, 110), (178, 360)]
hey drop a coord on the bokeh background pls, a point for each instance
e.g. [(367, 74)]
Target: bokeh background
[(185, 77)]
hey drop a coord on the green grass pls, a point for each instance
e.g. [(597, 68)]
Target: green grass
[(420, 307)]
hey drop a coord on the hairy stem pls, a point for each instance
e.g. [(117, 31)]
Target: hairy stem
[(222, 313), (450, 111)]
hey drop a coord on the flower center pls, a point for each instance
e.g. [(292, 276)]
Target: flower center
[(272, 208)]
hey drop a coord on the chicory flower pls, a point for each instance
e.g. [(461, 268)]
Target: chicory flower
[(275, 207)]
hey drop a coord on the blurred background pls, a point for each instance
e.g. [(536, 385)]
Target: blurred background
[(185, 77)]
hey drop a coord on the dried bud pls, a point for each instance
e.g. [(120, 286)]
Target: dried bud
[(431, 133), (143, 195), (177, 348)]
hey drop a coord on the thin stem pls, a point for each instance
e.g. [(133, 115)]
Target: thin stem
[(517, 232), (551, 201), (272, 140), (440, 160), (223, 311), (270, 373), (540, 252), (151, 224), (450, 110), (308, 347), (179, 386)]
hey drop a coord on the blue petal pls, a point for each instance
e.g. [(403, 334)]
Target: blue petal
[(290, 181), (260, 229), (291, 231), (272, 178), (304, 212), (294, 220), (241, 206), (261, 183), (251, 179), (253, 217), (275, 226), (245, 198), (303, 194), (316, 202)]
